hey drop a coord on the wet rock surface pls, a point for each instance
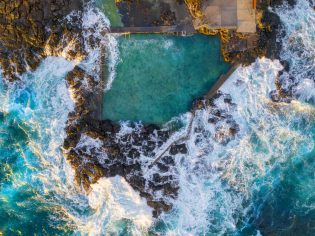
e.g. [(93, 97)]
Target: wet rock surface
[(265, 43), (146, 14), (220, 119), (33, 30), (26, 27), (245, 48), (101, 148)]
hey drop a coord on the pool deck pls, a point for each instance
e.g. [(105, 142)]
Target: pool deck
[(218, 14), (229, 14), (169, 16), (246, 16)]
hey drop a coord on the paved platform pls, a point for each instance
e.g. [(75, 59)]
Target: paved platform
[(218, 14), (230, 14), (246, 16)]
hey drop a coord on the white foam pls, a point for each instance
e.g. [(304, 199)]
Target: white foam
[(87, 144), (299, 47), (216, 180), (96, 25), (49, 116), (114, 201)]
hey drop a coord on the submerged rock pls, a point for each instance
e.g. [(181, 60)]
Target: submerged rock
[(180, 148)]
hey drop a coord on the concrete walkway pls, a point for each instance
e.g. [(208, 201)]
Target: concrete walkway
[(214, 89), (186, 135), (246, 16), (154, 29), (230, 14)]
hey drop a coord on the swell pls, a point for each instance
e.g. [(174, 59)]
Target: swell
[(298, 50), (132, 150)]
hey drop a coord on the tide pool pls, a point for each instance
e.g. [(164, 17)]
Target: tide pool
[(158, 76)]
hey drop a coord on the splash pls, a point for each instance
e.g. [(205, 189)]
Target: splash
[(217, 181), (245, 152), (95, 25), (37, 109), (220, 182), (299, 49), (116, 206)]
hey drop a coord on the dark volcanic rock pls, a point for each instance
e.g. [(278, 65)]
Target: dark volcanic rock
[(180, 148), (98, 148), (272, 27), (246, 48), (156, 13), (31, 30), (146, 14), (26, 27)]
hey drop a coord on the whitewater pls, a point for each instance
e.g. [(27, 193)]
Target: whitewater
[(261, 182)]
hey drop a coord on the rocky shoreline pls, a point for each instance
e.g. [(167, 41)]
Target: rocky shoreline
[(33, 30)]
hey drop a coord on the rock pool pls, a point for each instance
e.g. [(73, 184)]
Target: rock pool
[(159, 76)]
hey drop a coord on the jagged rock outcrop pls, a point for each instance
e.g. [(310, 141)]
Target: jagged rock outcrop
[(245, 48), (34, 29), (27, 26), (99, 148)]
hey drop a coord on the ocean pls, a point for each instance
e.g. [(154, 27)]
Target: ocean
[(261, 182)]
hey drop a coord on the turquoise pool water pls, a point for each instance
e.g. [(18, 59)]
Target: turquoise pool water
[(159, 76)]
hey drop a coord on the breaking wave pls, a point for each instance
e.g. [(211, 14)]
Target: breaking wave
[(248, 170), (217, 182), (237, 187), (38, 107), (299, 49)]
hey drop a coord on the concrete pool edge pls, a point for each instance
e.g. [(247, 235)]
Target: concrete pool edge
[(213, 90)]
